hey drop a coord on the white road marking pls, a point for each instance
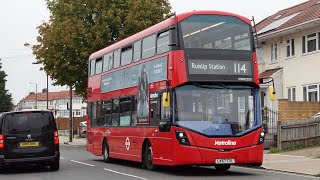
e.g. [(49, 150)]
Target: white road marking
[(286, 155), (124, 174), (62, 158), (276, 171), (82, 163)]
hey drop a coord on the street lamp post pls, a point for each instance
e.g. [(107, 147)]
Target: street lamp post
[(47, 87)]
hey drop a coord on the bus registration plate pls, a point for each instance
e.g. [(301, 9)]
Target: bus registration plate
[(225, 161)]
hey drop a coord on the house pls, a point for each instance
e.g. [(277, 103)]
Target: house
[(289, 53), (58, 102)]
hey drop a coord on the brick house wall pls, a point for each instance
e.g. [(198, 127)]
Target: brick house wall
[(289, 110)]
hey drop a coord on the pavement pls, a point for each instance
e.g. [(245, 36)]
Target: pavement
[(76, 141), (305, 161)]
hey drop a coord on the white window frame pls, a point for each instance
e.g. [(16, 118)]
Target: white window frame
[(290, 43), (274, 52), (306, 39), (308, 90), (292, 96)]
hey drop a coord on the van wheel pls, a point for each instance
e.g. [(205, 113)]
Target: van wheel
[(55, 165), (222, 167), (105, 152), (147, 158)]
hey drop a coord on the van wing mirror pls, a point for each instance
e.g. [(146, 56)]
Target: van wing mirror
[(166, 97)]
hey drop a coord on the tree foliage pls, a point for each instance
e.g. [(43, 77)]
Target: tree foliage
[(5, 96), (78, 28)]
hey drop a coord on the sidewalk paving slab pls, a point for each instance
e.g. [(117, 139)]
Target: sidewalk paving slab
[(292, 163)]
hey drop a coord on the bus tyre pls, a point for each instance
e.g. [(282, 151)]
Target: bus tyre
[(222, 167), (147, 158), (105, 152)]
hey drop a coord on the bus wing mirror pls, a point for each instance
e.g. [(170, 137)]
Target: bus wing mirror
[(166, 99), (272, 93)]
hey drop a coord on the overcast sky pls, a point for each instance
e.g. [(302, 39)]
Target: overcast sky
[(19, 19)]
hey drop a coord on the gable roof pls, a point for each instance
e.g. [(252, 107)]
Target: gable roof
[(268, 73), (296, 15), (51, 96)]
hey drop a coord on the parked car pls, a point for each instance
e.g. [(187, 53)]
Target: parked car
[(83, 129), (316, 116), (29, 137)]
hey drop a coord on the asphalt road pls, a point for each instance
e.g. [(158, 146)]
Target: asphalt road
[(78, 164)]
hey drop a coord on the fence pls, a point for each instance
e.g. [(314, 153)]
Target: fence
[(295, 133), (269, 121)]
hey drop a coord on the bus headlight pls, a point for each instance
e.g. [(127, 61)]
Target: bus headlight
[(261, 137), (182, 138)]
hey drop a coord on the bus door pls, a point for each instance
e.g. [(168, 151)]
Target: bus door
[(159, 115)]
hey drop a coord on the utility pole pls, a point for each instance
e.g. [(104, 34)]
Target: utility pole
[(71, 118), (47, 91)]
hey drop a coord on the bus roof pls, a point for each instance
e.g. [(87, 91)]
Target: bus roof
[(162, 25)]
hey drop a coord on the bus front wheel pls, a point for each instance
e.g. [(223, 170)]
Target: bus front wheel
[(147, 158), (222, 167), (105, 152)]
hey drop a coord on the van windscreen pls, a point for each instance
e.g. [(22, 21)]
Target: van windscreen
[(28, 122)]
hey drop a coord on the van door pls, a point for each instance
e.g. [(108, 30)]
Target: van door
[(28, 134)]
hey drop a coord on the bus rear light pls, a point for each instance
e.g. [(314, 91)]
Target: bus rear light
[(261, 137), (182, 138), (1, 141), (56, 137)]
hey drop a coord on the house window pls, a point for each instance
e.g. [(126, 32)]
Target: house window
[(310, 42), (311, 93), (290, 47), (292, 94), (274, 52), (260, 55)]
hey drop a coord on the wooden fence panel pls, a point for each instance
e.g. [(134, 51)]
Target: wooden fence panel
[(299, 132)]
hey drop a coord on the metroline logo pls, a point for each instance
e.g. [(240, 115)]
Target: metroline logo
[(225, 143)]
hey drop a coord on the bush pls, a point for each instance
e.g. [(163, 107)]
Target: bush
[(274, 150)]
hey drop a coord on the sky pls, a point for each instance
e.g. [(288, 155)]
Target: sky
[(19, 20)]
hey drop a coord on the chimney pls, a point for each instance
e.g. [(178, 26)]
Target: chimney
[(44, 90), (31, 93)]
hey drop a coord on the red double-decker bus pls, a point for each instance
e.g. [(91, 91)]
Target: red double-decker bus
[(182, 92)]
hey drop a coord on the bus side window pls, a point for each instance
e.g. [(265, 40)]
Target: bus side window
[(115, 112), (163, 42), (99, 65), (137, 51), (99, 114), (116, 58), (106, 113), (126, 55), (125, 111), (92, 67), (107, 62), (134, 111), (93, 114), (154, 109), (148, 46)]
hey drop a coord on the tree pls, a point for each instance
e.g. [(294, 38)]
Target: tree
[(78, 28), (5, 97)]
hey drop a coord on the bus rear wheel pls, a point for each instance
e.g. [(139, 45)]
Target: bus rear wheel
[(147, 158), (222, 167), (105, 152)]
